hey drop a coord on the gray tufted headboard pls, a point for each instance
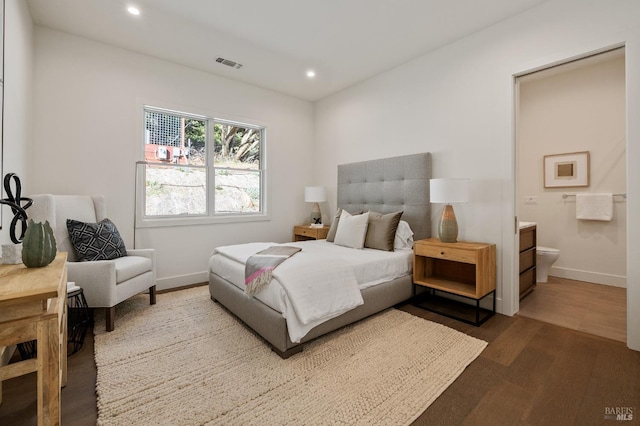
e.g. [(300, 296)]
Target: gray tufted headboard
[(389, 185)]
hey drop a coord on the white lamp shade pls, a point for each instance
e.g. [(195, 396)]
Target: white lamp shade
[(315, 194), (449, 190)]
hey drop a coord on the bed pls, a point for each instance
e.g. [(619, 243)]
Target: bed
[(385, 186)]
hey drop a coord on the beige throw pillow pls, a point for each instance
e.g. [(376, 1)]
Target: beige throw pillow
[(381, 231)]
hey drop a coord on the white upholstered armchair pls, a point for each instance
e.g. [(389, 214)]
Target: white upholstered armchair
[(105, 282)]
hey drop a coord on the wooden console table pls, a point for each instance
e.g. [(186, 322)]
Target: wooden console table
[(33, 306)]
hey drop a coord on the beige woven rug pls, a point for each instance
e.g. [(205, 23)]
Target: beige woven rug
[(186, 361)]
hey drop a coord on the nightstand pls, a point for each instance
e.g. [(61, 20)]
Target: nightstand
[(306, 232), (463, 269)]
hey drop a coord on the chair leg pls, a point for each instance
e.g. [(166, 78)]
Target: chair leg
[(110, 318), (152, 295)]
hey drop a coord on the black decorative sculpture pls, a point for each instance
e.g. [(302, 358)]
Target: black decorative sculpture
[(19, 211)]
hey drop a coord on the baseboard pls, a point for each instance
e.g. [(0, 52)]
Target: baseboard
[(183, 287), (590, 277), (181, 281)]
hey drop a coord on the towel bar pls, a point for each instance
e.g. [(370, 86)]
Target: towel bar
[(623, 195)]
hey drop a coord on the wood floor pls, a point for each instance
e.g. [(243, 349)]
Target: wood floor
[(592, 308), (531, 373)]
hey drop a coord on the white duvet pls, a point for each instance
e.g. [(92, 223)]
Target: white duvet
[(318, 283)]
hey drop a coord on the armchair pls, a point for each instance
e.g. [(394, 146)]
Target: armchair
[(105, 282)]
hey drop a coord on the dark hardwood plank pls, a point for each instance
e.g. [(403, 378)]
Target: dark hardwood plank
[(511, 401), (558, 399), (508, 346)]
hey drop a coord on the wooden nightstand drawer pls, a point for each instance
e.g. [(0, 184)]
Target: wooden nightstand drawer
[(445, 253), (306, 232)]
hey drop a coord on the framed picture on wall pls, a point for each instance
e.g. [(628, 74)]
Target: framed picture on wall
[(566, 170)]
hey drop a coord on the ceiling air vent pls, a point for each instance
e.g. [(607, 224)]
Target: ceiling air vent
[(229, 63)]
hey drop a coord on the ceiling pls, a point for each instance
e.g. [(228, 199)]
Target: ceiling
[(277, 41)]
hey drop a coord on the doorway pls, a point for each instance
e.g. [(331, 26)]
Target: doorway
[(573, 108)]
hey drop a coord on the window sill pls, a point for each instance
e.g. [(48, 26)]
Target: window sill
[(199, 220)]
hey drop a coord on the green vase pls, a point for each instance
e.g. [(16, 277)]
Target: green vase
[(38, 245)]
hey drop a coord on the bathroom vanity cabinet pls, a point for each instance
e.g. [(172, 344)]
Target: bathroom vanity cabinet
[(527, 259)]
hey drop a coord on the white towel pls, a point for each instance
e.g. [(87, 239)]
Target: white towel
[(594, 207)]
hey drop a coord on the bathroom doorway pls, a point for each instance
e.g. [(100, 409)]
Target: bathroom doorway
[(575, 108)]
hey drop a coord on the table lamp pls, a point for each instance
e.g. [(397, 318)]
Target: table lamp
[(448, 191), (315, 195)]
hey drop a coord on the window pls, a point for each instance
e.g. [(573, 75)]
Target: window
[(197, 166)]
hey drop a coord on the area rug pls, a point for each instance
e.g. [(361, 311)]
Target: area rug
[(187, 361)]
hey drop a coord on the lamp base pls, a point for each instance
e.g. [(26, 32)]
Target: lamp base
[(448, 228), (316, 216)]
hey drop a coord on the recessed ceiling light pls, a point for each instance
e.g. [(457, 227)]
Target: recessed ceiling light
[(133, 10), (311, 73)]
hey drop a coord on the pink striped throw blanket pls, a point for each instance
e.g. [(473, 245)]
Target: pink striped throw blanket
[(259, 267)]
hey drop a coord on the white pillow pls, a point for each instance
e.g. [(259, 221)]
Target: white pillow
[(404, 237), (352, 230)]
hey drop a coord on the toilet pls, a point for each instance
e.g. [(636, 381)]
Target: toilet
[(545, 257)]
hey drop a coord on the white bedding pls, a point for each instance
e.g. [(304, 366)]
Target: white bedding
[(319, 283)]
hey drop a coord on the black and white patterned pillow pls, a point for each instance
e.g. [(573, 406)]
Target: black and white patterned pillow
[(96, 241)]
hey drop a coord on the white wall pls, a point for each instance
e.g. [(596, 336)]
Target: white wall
[(458, 103), (576, 107), (87, 138), (18, 100)]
